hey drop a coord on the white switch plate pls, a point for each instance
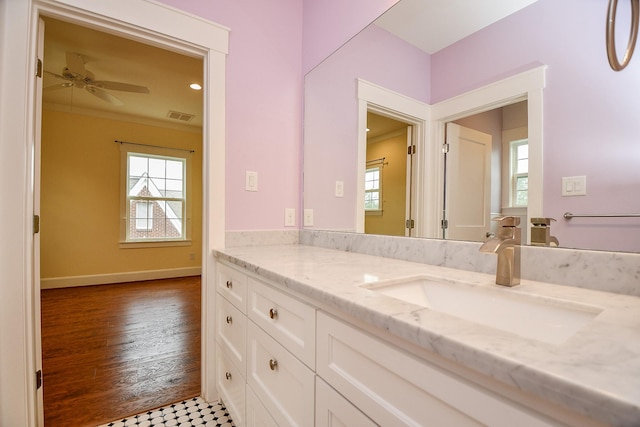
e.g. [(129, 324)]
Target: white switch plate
[(339, 188), (574, 186), (289, 217), (308, 218), (251, 181)]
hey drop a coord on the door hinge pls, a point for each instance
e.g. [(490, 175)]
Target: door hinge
[(39, 68), (38, 379), (444, 224), (36, 224), (409, 224), (445, 148), (411, 149)]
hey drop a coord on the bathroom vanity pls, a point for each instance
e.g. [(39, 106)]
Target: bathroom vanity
[(314, 336)]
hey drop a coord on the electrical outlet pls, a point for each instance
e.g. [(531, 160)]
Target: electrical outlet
[(308, 218), (289, 217), (192, 256)]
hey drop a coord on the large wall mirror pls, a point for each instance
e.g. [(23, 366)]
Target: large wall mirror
[(441, 115)]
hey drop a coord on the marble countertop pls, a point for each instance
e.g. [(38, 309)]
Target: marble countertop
[(595, 372)]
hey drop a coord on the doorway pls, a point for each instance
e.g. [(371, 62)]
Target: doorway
[(159, 26), (100, 88)]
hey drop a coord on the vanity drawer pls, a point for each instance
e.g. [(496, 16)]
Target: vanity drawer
[(281, 382), (333, 410), (257, 414), (394, 388), (231, 387), (232, 284), (291, 322), (231, 327)]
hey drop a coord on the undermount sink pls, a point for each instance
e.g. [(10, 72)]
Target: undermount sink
[(544, 319)]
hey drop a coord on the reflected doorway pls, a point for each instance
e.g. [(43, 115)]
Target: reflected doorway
[(486, 172), (388, 176)]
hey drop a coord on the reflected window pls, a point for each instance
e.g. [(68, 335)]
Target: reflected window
[(373, 189), (519, 173)]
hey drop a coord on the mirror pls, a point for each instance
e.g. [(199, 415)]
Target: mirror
[(587, 112)]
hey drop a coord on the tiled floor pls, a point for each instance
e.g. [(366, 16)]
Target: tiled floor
[(192, 412)]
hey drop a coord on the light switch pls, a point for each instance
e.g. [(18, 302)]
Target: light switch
[(574, 186), (308, 218), (339, 188), (251, 181), (289, 217)]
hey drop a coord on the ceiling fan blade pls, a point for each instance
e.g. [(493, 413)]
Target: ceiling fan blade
[(55, 75), (75, 63), (105, 96), (124, 87), (58, 87)]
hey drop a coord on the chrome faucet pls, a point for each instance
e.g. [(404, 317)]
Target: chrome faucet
[(507, 245)]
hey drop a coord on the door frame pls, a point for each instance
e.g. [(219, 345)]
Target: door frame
[(144, 21), (380, 100), (528, 85)]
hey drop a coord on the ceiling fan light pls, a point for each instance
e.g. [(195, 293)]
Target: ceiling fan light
[(195, 86)]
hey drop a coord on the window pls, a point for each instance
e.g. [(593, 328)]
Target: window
[(154, 202), (373, 189), (519, 173)]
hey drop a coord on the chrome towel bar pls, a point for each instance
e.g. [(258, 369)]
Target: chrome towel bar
[(569, 215)]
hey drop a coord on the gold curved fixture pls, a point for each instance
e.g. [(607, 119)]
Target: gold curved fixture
[(612, 55)]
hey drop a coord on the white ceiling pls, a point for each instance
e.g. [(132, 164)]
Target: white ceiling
[(167, 75), (432, 25)]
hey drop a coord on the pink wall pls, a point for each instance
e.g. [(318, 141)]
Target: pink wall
[(331, 116), (264, 106), (330, 23), (591, 124), (265, 68)]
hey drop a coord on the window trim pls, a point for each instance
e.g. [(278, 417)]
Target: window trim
[(125, 150)]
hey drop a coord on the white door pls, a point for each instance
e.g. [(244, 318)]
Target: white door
[(36, 213), (467, 184)]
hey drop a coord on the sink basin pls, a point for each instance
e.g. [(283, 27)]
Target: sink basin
[(544, 319)]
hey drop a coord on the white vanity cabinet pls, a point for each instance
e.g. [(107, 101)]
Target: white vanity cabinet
[(266, 352), (395, 388)]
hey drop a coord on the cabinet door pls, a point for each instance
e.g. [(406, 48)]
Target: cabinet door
[(257, 414), (231, 386), (290, 322), (232, 284), (395, 388), (333, 410), (231, 326), (281, 382)]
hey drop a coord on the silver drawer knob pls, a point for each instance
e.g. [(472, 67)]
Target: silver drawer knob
[(229, 320), (273, 364), (273, 313), (228, 375), (229, 284)]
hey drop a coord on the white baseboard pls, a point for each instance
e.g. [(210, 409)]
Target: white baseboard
[(104, 279)]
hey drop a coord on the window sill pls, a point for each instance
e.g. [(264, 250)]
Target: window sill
[(154, 244), (373, 213)]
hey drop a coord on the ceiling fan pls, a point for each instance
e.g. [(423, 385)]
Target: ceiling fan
[(78, 76)]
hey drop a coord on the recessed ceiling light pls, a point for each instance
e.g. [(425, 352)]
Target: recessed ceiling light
[(195, 86)]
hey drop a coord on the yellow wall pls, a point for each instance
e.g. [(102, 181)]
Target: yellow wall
[(394, 182), (80, 202)]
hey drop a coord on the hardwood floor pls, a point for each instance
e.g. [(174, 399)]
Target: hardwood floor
[(111, 351)]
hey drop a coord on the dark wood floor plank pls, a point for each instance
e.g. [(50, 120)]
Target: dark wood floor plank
[(111, 351)]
